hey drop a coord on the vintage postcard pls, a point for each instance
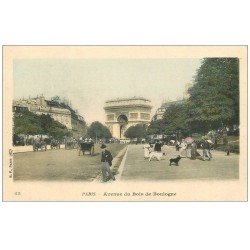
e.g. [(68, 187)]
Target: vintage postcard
[(125, 123)]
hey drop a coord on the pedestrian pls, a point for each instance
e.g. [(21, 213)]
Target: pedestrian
[(193, 150), (183, 148), (106, 160), (147, 150), (158, 146), (206, 151), (177, 146), (211, 145), (80, 145), (228, 149)]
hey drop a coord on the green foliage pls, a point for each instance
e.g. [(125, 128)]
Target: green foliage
[(232, 143), (213, 101), (28, 123), (175, 119), (52, 127), (155, 127), (98, 130), (137, 131), (174, 122), (214, 97)]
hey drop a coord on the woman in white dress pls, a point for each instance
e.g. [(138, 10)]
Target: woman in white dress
[(183, 148), (147, 150)]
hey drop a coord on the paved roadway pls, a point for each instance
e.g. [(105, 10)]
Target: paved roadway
[(220, 166), (59, 164), (67, 165)]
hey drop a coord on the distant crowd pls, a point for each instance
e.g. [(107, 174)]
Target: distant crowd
[(186, 148)]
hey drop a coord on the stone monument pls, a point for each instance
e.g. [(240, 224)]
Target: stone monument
[(122, 113)]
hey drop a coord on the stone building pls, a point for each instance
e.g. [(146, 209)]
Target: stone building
[(165, 105), (58, 110), (125, 112)]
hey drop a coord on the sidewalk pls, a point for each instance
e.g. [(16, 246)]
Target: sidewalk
[(115, 165), (220, 166), (23, 149)]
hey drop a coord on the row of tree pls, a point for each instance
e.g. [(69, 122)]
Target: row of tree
[(98, 131), (28, 123), (213, 101)]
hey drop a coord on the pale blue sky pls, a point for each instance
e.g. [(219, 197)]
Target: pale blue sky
[(89, 82)]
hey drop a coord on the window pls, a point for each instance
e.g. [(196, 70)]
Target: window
[(110, 117), (145, 116), (133, 115)]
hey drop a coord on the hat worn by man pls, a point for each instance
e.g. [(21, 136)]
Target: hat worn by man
[(103, 146)]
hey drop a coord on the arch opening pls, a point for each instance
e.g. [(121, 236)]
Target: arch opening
[(122, 120)]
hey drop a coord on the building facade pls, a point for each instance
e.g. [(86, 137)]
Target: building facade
[(125, 112), (167, 103), (59, 111), (160, 111)]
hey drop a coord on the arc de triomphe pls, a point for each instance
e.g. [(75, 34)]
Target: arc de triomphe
[(125, 112)]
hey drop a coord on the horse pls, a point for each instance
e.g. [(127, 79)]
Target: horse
[(39, 144), (55, 144), (70, 144), (86, 146)]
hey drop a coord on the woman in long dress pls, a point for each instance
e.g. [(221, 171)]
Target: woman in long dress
[(193, 150), (146, 148), (183, 148)]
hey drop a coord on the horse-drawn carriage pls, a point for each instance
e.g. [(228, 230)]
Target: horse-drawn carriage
[(39, 144), (71, 143), (86, 146), (54, 144)]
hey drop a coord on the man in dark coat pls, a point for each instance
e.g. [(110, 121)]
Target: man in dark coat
[(158, 146), (106, 164), (206, 150)]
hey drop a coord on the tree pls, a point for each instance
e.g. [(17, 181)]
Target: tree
[(137, 131), (155, 127), (214, 97), (28, 123), (53, 128), (98, 130), (175, 120), (46, 123)]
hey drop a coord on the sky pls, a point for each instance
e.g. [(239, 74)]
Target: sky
[(88, 83)]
